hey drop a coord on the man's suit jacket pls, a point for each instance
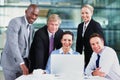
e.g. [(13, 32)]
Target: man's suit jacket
[(93, 27), (39, 52), (16, 47)]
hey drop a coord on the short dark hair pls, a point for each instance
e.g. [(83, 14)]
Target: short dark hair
[(96, 35), (68, 32)]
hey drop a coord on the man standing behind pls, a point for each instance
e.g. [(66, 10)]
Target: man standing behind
[(15, 52), (104, 61), (43, 45)]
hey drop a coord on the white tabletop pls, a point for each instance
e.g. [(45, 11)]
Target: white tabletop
[(56, 77)]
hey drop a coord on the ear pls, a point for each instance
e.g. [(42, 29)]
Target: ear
[(25, 11), (102, 41)]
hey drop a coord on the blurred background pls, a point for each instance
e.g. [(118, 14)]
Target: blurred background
[(107, 13)]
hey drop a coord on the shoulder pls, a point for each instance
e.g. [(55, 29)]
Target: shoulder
[(56, 52), (109, 49), (15, 23), (76, 53), (109, 52), (94, 22), (17, 19), (42, 30), (81, 24), (59, 31)]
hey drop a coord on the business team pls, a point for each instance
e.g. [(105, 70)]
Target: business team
[(16, 58)]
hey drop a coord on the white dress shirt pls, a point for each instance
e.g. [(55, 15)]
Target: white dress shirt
[(108, 63)]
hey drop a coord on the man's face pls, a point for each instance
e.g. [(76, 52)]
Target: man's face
[(86, 14), (66, 41), (32, 14), (53, 26), (97, 44)]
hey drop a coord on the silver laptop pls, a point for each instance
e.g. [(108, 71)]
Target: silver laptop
[(67, 64)]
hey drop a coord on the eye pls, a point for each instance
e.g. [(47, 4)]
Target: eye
[(69, 40), (93, 44), (97, 43), (65, 40), (86, 12)]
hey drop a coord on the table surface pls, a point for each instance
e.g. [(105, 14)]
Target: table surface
[(57, 77)]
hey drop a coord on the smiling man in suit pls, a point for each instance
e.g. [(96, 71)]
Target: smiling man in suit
[(19, 35), (41, 46)]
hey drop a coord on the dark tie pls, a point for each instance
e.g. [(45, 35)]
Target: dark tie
[(51, 44), (97, 61)]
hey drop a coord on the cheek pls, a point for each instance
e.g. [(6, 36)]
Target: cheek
[(70, 43)]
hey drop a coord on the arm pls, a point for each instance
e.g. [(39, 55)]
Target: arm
[(48, 68), (108, 55), (97, 72), (39, 50), (91, 66), (12, 37), (79, 42), (13, 43)]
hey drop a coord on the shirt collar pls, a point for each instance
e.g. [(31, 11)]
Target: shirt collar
[(50, 34), (86, 24), (26, 21), (69, 52), (100, 53)]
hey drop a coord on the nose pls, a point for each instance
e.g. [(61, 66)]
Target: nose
[(67, 41), (95, 45), (34, 17)]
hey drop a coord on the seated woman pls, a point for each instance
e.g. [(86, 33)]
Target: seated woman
[(67, 41)]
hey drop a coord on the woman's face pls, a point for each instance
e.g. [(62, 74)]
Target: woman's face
[(86, 14), (66, 41)]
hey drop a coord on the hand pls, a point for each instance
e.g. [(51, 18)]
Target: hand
[(39, 71), (97, 72), (24, 69)]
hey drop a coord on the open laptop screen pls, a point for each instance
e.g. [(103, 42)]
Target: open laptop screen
[(67, 64)]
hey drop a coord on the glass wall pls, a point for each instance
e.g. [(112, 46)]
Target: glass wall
[(106, 13)]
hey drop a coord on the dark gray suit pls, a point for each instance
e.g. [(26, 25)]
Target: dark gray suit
[(16, 47)]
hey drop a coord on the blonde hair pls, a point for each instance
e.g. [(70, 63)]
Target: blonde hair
[(89, 7), (54, 17)]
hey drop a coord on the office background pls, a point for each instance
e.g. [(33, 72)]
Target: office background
[(107, 13)]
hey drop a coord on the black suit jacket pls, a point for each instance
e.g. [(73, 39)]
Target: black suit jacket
[(93, 27), (39, 51)]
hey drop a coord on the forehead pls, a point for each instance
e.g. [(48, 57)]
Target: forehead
[(53, 22), (67, 36), (95, 39), (33, 10), (85, 9)]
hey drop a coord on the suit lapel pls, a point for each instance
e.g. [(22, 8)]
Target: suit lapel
[(25, 33), (30, 35)]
